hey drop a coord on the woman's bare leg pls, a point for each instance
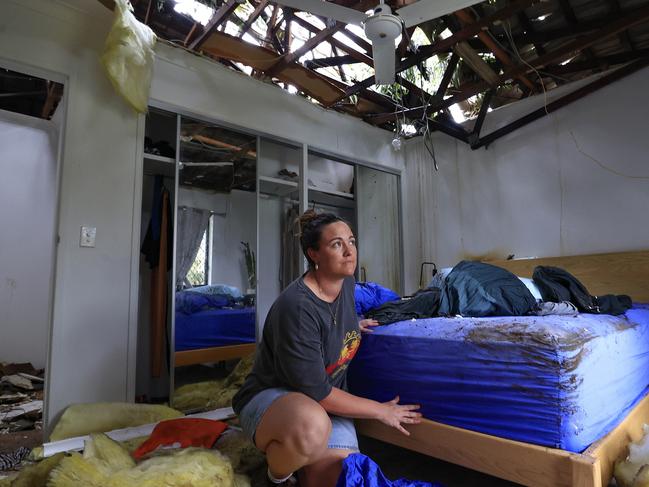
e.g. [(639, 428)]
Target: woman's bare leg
[(325, 471), (293, 432)]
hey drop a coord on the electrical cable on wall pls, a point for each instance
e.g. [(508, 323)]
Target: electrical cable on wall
[(601, 164)]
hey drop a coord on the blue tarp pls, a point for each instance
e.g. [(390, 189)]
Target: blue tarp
[(361, 471), (369, 295), (556, 381)]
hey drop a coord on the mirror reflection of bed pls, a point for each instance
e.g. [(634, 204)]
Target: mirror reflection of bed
[(215, 255)]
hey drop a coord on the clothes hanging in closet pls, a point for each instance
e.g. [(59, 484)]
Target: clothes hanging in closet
[(157, 248)]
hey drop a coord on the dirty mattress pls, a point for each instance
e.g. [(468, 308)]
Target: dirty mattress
[(556, 381), (215, 327)]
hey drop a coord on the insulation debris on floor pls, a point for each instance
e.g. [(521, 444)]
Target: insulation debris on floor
[(230, 461), (633, 471), (21, 398), (213, 394)]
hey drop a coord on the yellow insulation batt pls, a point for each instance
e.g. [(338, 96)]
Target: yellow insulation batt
[(35, 475), (104, 464), (213, 394), (84, 419), (129, 56)]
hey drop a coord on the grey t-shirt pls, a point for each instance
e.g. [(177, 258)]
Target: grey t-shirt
[(301, 348)]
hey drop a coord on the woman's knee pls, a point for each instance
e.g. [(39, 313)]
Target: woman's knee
[(297, 421), (311, 430)]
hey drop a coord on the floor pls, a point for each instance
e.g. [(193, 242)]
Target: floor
[(398, 463)]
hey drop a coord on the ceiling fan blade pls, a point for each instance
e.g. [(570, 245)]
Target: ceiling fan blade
[(425, 10), (326, 9), (384, 58)]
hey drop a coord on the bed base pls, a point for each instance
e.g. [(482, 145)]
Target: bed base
[(524, 463), (212, 354)]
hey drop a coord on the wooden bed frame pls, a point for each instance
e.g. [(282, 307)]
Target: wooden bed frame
[(212, 354), (524, 463)]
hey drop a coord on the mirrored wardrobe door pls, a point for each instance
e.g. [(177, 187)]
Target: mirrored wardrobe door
[(379, 228), (215, 257), (279, 252)]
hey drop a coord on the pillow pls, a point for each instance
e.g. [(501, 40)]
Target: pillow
[(529, 283), (439, 278), (477, 289), (369, 295), (222, 289), (188, 302), (533, 288)]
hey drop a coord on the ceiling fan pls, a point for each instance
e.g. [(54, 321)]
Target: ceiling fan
[(382, 26)]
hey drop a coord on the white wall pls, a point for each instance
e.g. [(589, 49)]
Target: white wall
[(238, 224), (28, 151), (573, 182), (90, 340), (95, 308)]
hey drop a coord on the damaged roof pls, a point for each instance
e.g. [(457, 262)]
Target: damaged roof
[(459, 65)]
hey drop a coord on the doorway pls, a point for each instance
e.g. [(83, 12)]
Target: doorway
[(31, 122)]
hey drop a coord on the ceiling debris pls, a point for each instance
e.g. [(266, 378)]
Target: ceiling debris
[(449, 69)]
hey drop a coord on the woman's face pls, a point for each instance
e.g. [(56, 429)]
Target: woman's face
[(337, 253)]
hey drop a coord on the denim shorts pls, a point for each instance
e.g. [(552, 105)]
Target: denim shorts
[(343, 433)]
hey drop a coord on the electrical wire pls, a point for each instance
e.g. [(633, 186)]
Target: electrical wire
[(601, 164)]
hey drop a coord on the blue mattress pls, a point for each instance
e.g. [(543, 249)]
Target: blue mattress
[(556, 381), (215, 327)]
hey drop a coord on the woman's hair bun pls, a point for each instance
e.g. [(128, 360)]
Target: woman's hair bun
[(307, 217)]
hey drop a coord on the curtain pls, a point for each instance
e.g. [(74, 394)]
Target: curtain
[(192, 223)]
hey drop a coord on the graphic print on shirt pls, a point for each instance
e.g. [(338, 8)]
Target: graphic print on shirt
[(350, 345)]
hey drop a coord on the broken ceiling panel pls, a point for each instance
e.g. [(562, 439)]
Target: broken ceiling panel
[(518, 47)]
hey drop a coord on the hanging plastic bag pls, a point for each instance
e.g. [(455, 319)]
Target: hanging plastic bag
[(128, 56), (360, 471)]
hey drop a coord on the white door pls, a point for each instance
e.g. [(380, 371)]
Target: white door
[(28, 160)]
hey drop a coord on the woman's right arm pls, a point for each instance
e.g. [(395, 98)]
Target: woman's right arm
[(391, 413)]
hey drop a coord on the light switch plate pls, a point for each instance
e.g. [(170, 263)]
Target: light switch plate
[(88, 235)]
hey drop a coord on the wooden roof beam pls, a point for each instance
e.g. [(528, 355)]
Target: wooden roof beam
[(561, 102), (529, 29), (328, 62), (253, 17), (474, 136), (603, 62), (288, 18), (449, 128), (567, 51), (446, 79), (220, 16), (466, 17), (476, 63), (571, 18), (359, 56), (445, 44), (624, 37)]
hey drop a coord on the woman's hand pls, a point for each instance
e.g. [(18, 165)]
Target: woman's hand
[(395, 414), (366, 324)]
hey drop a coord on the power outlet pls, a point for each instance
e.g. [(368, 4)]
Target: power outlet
[(88, 235)]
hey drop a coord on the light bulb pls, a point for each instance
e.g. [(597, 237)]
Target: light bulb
[(396, 143)]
